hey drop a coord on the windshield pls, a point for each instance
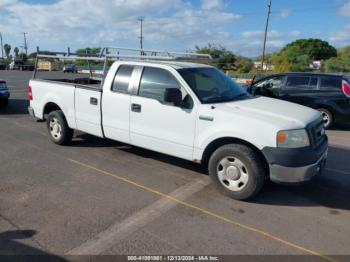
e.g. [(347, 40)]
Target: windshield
[(211, 85)]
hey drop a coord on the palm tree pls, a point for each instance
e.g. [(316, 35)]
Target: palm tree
[(16, 51), (7, 49)]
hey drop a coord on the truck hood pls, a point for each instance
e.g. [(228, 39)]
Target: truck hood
[(279, 113)]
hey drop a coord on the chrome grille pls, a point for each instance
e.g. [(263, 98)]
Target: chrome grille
[(317, 132)]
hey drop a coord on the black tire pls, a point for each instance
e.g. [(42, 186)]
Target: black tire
[(64, 134), (254, 169), (327, 117)]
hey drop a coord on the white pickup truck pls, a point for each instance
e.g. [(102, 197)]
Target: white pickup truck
[(190, 111)]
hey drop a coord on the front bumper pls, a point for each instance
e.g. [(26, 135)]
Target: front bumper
[(283, 174), (296, 165)]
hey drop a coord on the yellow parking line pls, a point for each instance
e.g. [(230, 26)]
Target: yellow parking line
[(207, 212)]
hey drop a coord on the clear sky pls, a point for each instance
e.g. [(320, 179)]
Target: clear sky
[(172, 24)]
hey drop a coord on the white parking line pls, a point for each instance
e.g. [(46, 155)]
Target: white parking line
[(338, 171), (106, 239)]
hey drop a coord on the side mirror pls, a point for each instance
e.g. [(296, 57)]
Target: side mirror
[(173, 95)]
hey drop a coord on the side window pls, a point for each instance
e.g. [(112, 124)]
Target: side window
[(272, 83), (298, 82), (154, 81), (331, 83), (122, 79)]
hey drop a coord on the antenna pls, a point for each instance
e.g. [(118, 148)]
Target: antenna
[(265, 36), (141, 19)]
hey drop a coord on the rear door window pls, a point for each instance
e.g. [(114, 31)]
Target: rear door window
[(331, 83), (154, 81), (298, 82), (122, 79)]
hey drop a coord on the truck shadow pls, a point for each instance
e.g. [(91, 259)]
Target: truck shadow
[(331, 189), (86, 140), (16, 107), (12, 249)]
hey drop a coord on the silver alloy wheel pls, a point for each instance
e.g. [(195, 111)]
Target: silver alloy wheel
[(326, 118), (55, 128), (232, 173)]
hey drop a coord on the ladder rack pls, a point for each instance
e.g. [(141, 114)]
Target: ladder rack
[(123, 53)]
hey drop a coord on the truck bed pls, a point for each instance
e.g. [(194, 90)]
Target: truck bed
[(77, 82)]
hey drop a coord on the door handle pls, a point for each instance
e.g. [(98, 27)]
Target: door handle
[(93, 101), (136, 108)]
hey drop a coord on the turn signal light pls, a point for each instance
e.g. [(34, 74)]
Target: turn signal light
[(282, 137)]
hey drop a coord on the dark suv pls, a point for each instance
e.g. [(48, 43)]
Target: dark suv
[(328, 93)]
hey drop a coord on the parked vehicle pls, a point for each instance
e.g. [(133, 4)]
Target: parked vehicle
[(4, 94), (190, 111), (328, 93), (20, 65), (2, 64), (70, 69)]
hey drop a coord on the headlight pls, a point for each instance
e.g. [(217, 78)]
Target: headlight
[(293, 138)]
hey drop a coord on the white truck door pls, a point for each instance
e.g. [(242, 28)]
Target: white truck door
[(157, 125), (116, 104), (87, 110)]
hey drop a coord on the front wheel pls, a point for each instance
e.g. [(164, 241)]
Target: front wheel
[(237, 171), (59, 131)]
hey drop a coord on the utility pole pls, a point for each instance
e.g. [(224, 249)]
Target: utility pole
[(265, 36), (25, 43), (141, 19), (2, 47)]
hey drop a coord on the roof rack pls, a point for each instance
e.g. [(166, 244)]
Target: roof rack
[(123, 53)]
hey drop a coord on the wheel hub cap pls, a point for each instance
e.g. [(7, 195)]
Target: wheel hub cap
[(55, 129), (232, 173)]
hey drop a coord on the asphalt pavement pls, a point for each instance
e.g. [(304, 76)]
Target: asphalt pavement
[(104, 197)]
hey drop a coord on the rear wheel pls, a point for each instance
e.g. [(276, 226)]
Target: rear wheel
[(327, 116), (237, 171), (59, 131)]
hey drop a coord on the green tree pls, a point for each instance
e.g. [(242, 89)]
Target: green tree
[(89, 50), (16, 51), (23, 57), (243, 64), (341, 63), (7, 49), (224, 58), (298, 55)]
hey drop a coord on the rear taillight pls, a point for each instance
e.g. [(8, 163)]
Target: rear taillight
[(30, 93), (346, 88)]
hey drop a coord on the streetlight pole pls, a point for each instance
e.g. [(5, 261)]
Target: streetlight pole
[(25, 43), (265, 36), (2, 47), (141, 19)]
